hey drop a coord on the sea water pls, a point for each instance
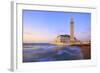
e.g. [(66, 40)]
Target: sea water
[(39, 52)]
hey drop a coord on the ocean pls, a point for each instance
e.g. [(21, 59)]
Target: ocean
[(43, 52)]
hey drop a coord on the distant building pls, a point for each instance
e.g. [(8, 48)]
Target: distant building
[(63, 39), (67, 39), (72, 30)]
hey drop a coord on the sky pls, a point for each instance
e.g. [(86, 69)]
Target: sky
[(45, 26)]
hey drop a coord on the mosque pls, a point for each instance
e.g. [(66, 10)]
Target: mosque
[(65, 39)]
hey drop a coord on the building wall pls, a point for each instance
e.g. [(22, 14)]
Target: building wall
[(61, 39)]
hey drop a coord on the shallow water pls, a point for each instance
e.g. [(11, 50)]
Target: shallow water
[(47, 52)]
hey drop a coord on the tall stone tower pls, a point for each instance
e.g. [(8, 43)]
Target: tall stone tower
[(72, 30)]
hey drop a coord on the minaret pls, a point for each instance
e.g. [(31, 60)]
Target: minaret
[(71, 30)]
